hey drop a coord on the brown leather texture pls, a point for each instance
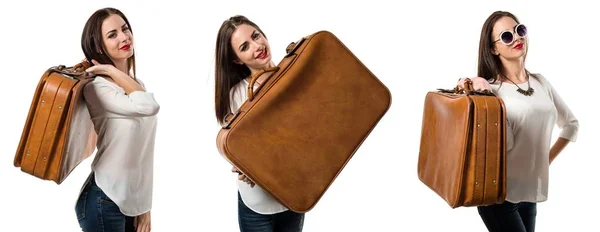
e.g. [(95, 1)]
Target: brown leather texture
[(298, 130), (462, 155), (58, 132)]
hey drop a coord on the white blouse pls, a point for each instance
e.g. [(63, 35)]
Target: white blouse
[(531, 120), (126, 128), (254, 197)]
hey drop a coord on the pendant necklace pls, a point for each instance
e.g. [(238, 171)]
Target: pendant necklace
[(527, 92)]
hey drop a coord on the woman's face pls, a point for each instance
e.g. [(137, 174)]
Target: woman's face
[(117, 38), (251, 48), (515, 48)]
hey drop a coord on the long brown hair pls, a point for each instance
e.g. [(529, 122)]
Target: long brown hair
[(489, 65), (227, 72), (92, 42)]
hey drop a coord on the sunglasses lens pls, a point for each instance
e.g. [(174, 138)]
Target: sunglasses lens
[(522, 30), (506, 37)]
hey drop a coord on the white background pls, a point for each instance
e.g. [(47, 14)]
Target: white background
[(413, 47)]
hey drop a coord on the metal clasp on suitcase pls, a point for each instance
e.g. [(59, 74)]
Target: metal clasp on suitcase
[(293, 46), (229, 119)]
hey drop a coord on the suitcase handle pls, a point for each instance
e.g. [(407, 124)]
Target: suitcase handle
[(255, 77), (468, 86), (76, 71), (289, 50), (468, 89)]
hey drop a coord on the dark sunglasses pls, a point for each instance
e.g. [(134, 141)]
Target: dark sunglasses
[(507, 37)]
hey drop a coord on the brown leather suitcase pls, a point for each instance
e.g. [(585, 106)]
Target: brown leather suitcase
[(297, 131), (58, 132), (462, 155)]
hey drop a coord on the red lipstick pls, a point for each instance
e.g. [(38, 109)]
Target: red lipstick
[(519, 46), (262, 55)]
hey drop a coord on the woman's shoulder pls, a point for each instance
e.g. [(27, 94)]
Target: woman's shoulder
[(538, 76), (97, 82), (238, 88), (243, 84), (541, 79)]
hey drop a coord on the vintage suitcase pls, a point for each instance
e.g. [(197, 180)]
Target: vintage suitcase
[(462, 155), (58, 132), (296, 132)]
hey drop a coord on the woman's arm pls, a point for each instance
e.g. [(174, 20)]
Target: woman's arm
[(135, 102), (122, 79), (108, 97), (479, 83), (558, 146), (565, 120)]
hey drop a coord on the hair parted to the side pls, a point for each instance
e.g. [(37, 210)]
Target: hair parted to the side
[(91, 38), (227, 72), (489, 65)]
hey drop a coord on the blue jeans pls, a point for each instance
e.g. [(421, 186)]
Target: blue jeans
[(519, 217), (250, 221), (98, 213)]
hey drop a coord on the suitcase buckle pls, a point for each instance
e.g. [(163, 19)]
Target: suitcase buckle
[(293, 46), (229, 119)]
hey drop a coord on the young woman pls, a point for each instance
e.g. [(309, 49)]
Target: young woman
[(533, 107), (242, 50), (118, 193)]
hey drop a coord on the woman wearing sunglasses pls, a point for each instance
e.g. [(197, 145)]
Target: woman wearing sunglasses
[(533, 108)]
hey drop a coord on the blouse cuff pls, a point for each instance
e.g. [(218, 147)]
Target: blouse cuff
[(570, 133)]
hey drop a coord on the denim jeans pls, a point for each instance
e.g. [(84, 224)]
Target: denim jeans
[(519, 217), (250, 221), (98, 213)]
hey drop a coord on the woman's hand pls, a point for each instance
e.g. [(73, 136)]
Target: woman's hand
[(120, 78), (142, 222), (242, 177), (101, 69), (479, 83)]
